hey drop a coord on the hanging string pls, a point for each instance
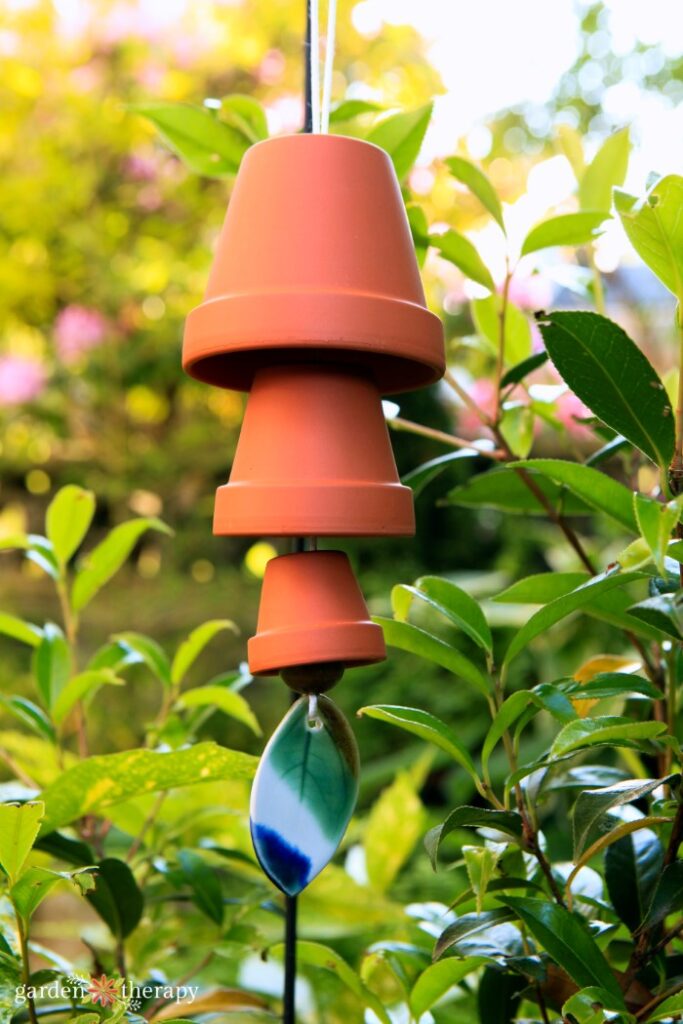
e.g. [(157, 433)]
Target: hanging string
[(329, 66)]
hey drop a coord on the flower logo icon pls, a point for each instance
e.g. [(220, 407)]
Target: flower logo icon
[(103, 990)]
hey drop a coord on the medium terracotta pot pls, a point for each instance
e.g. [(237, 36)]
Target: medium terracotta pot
[(312, 618), (315, 262), (314, 459)]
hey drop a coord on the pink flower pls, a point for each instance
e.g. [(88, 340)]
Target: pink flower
[(140, 167), (483, 393), (532, 292), (569, 411), (21, 379), (78, 329)]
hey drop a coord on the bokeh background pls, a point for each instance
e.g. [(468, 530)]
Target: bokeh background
[(106, 240)]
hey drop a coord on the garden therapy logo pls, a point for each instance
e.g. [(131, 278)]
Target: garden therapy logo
[(105, 992)]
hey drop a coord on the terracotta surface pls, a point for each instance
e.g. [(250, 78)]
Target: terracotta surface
[(314, 459), (312, 612), (315, 262)]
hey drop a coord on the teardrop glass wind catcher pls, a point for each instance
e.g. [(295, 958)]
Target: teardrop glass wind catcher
[(304, 793)]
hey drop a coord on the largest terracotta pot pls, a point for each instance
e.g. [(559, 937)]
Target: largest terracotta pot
[(315, 262)]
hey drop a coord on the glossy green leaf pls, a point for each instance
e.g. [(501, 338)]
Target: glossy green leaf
[(487, 313), (410, 638), (103, 781), (421, 476), (522, 369), (347, 110), (419, 229), (206, 144), (567, 940), (517, 428), (586, 1007), (32, 888), (655, 229), (469, 925), (597, 489), (41, 553), (105, 560), (592, 806), (664, 612), (508, 822), (455, 604), (479, 185), (617, 732), (563, 606), (116, 897), (462, 253), (221, 698), (613, 378), (19, 629), (542, 587), (514, 706), (656, 521), (191, 648), (667, 1009), (401, 135), (30, 714), (437, 979), (68, 519), (427, 727), (667, 897), (566, 229), (571, 144), (499, 995), (313, 954), (19, 827), (246, 115), (52, 664), (205, 884), (613, 684), (504, 489), (85, 684), (632, 868), (151, 653), (606, 170)]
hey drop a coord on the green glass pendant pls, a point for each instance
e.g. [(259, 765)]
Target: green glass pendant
[(304, 793)]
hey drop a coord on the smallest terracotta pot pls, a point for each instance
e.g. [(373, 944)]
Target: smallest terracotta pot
[(313, 622)]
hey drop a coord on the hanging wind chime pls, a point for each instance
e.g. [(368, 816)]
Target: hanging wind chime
[(314, 307)]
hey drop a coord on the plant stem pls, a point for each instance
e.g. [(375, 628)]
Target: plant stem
[(398, 423), (502, 319), (25, 968), (598, 290), (467, 400)]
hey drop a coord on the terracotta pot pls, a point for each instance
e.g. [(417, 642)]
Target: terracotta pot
[(312, 618), (315, 262), (314, 459)]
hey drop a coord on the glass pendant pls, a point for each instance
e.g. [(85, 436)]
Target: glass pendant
[(304, 793)]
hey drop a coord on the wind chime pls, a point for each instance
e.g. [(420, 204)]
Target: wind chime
[(314, 307)]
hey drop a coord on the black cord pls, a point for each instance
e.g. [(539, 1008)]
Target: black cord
[(308, 57)]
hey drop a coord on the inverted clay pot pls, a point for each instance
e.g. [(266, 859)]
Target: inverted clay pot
[(312, 614), (313, 459), (315, 262)]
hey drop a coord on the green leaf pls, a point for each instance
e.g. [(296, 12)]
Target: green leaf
[(613, 684), (245, 114), (100, 782), (558, 609), (522, 369), (508, 822), (587, 1005), (571, 144), (668, 895), (313, 954), (632, 868), (221, 698), (613, 378), (105, 560), (52, 663), (666, 1009), (459, 251), (30, 714), (436, 980), (419, 229), (617, 732), (504, 489), (423, 475), (410, 638), (517, 428), (191, 648), (207, 892), (515, 705), (68, 519), (116, 897), (542, 587), (655, 229), (34, 885), (41, 553), (83, 685), (394, 826), (567, 229), (656, 521), (151, 653), (499, 995), (478, 184), (401, 135), (467, 926), (455, 604), (566, 939), (592, 806), (606, 170), (207, 145), (427, 727), (19, 827), (663, 612), (597, 489), (18, 629), (486, 314), (347, 110)]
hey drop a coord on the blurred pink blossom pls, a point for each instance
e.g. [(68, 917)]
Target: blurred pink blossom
[(271, 68), (483, 393), (21, 379), (569, 410), (532, 292), (78, 329), (140, 167)]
